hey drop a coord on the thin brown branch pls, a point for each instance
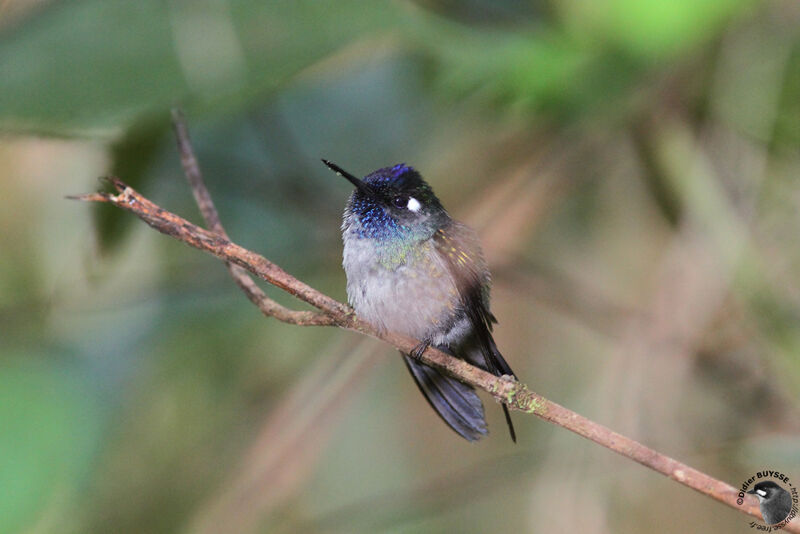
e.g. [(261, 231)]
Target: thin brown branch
[(191, 169), (504, 389)]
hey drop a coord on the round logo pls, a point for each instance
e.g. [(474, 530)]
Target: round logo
[(777, 498)]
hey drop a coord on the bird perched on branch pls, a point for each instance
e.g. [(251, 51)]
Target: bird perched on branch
[(414, 270), (775, 502)]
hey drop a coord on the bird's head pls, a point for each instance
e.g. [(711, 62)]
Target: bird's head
[(392, 202), (765, 490)]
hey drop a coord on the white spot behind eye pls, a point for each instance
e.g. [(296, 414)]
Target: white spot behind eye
[(761, 492), (413, 204)]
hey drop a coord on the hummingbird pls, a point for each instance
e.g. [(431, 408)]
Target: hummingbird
[(414, 270)]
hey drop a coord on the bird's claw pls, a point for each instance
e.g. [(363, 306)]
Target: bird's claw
[(417, 351)]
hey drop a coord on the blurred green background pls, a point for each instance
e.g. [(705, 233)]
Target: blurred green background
[(631, 165)]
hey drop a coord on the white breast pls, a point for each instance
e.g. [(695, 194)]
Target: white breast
[(416, 297)]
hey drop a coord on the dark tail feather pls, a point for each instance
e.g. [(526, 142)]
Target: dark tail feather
[(500, 364), (510, 424), (496, 363), (484, 354), (455, 402)]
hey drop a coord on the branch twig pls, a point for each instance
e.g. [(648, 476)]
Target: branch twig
[(191, 170), (331, 312)]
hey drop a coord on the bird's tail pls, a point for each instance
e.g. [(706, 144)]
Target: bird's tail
[(456, 402), (484, 354)]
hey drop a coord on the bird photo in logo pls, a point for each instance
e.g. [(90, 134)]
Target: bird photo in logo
[(775, 502), (413, 270)]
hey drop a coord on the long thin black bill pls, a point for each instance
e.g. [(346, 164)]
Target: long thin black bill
[(347, 176)]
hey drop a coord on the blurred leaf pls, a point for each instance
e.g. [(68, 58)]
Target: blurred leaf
[(87, 64), (596, 58), (132, 158), (650, 29), (533, 70), (488, 12), (787, 127), (95, 64), (50, 428)]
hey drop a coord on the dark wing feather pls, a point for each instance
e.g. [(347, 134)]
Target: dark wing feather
[(456, 403), (459, 248)]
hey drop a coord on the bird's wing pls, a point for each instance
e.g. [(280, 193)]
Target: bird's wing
[(459, 248)]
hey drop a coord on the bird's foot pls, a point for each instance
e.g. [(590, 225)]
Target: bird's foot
[(417, 351)]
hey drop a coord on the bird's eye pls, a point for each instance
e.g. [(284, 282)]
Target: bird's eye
[(400, 202)]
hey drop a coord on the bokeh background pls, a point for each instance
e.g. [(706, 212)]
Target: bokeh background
[(632, 167)]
